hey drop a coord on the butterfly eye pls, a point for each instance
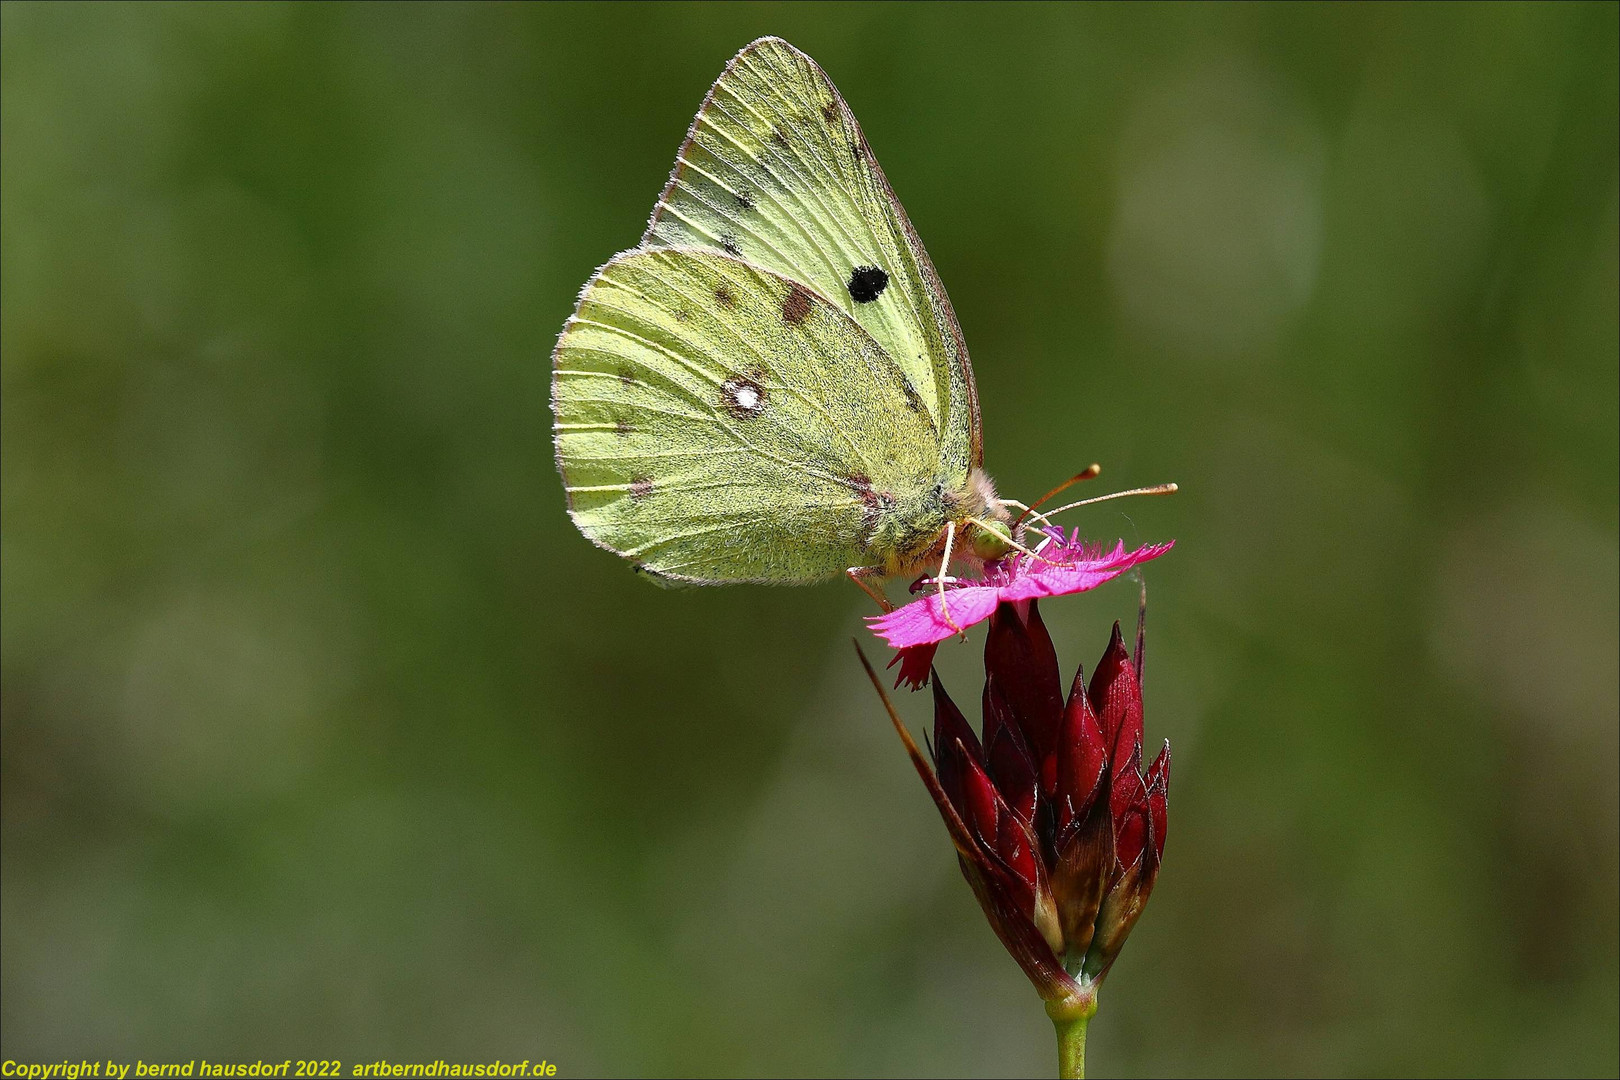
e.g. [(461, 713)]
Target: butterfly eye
[(866, 284)]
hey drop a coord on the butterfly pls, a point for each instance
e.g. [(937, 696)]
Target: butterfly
[(772, 386)]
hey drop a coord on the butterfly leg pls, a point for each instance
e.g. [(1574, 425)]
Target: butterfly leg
[(944, 568), (859, 574)]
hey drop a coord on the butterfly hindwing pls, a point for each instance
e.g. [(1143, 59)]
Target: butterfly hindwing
[(775, 170), (718, 422)]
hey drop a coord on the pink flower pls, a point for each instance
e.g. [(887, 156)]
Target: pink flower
[(1064, 565)]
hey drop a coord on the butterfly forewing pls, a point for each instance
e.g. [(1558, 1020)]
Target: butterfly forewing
[(775, 170), (717, 421)]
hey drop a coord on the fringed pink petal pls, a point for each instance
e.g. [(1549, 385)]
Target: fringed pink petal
[(922, 622), (1072, 570)]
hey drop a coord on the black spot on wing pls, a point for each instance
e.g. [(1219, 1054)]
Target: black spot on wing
[(627, 376), (829, 113), (622, 428), (866, 283), (744, 200), (723, 296), (728, 244), (640, 487)]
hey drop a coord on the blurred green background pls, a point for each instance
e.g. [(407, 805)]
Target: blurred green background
[(326, 735)]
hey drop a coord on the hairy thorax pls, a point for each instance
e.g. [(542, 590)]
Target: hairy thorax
[(907, 532)]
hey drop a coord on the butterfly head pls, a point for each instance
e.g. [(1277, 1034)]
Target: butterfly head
[(991, 538), (989, 530)]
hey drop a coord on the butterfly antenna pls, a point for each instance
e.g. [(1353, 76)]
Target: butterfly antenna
[(1088, 473), (1157, 489)]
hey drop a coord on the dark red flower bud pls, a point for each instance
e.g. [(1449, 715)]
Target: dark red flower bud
[(1158, 785), (1058, 831), (1117, 696), (1127, 802), (1020, 660), (1011, 764), (954, 739), (1082, 757), (1002, 834)]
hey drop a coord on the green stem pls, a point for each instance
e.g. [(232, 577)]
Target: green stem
[(1070, 1016)]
